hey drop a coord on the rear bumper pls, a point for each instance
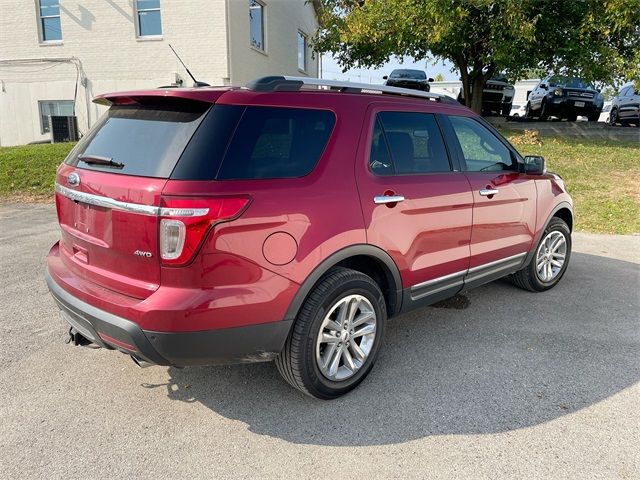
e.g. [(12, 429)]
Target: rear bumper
[(253, 343)]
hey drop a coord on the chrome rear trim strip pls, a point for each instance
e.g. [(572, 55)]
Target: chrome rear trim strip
[(106, 202)]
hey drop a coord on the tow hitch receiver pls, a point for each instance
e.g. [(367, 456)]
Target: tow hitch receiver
[(76, 339)]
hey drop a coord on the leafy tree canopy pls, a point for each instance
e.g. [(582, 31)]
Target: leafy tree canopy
[(598, 40)]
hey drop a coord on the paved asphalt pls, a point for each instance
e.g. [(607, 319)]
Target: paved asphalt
[(515, 385)]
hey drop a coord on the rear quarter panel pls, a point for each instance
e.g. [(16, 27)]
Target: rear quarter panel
[(320, 211)]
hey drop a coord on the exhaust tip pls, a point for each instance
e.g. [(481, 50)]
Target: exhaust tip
[(139, 362)]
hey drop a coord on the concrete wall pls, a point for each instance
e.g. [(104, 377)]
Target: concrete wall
[(102, 53), (283, 19)]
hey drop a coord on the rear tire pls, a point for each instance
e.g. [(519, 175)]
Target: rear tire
[(572, 117), (550, 260), (593, 117), (329, 329), (613, 117)]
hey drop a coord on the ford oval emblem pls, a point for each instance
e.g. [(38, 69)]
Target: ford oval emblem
[(73, 179)]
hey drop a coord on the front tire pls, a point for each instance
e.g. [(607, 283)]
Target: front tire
[(544, 114), (335, 339), (550, 260), (527, 111)]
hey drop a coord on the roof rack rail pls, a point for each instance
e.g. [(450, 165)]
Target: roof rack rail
[(278, 83)]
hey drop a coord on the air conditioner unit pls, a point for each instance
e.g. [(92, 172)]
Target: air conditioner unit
[(63, 128)]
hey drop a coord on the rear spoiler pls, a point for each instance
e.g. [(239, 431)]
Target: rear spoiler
[(142, 97)]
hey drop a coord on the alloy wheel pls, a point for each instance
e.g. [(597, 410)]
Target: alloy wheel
[(551, 256), (346, 337)]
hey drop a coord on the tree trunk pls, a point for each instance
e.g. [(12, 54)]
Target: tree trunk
[(477, 89)]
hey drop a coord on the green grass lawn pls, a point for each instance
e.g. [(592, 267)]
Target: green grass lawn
[(28, 172), (602, 176)]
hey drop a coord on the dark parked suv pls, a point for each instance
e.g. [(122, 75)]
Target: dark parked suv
[(564, 97), (406, 78), (497, 96), (286, 221)]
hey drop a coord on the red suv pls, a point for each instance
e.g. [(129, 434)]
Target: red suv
[(289, 220)]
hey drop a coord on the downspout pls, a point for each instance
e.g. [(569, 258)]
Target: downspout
[(228, 37)]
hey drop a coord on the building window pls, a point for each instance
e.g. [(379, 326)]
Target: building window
[(302, 51), (148, 18), (49, 13), (52, 108), (256, 24)]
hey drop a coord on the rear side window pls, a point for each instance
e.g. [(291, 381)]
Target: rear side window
[(407, 143), (143, 141), (276, 143), (197, 141)]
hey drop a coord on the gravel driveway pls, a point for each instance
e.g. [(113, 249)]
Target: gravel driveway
[(504, 384)]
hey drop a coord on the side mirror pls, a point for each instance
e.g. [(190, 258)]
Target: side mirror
[(385, 77), (533, 165), (430, 79), (543, 86)]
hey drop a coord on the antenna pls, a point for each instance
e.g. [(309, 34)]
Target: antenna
[(196, 83)]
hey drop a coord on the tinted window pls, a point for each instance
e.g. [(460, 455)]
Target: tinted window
[(416, 74), (571, 82), (203, 155), (276, 143), (146, 141), (481, 149), (413, 141)]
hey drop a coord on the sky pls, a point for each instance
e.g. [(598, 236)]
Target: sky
[(332, 71)]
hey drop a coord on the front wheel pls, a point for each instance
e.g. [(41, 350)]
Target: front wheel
[(544, 111), (613, 117), (527, 111), (550, 261), (336, 337)]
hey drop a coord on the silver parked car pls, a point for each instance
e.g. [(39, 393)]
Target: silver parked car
[(625, 107)]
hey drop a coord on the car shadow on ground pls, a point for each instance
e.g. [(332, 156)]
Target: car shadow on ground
[(501, 360)]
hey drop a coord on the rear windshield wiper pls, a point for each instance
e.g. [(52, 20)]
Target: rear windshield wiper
[(98, 160)]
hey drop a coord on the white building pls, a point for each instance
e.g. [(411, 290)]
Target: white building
[(56, 55)]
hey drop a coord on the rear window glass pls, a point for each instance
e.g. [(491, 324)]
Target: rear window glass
[(276, 143), (139, 140)]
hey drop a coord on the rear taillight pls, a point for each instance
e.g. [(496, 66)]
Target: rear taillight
[(184, 223)]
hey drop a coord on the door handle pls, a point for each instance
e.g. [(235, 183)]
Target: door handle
[(487, 192), (384, 199)]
